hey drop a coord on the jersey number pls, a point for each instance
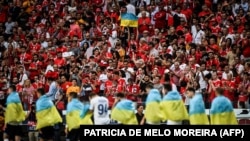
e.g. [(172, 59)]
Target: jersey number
[(102, 109)]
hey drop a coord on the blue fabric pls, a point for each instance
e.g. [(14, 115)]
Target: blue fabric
[(43, 103), (74, 105), (153, 96), (172, 95), (13, 98), (197, 105), (125, 105), (221, 104)]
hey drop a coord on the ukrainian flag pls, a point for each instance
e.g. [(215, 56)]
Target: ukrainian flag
[(124, 112), (46, 113), (173, 107), (74, 109), (221, 112), (197, 112), (129, 20), (85, 115), (153, 111), (14, 111)]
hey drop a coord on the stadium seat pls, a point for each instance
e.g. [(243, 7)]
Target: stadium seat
[(244, 122)]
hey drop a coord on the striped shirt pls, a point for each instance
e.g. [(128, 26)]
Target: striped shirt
[(52, 91)]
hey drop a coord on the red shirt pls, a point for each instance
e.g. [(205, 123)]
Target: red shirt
[(160, 19), (65, 85), (144, 24), (227, 93), (108, 87), (25, 57), (216, 83), (59, 62), (34, 69), (121, 85)]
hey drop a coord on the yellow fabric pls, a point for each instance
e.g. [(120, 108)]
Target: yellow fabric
[(14, 113), (153, 112), (174, 110), (86, 120), (198, 119), (126, 117), (226, 118), (48, 117)]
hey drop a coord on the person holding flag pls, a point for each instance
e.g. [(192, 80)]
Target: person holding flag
[(152, 115), (222, 112), (73, 118), (47, 116), (123, 111), (172, 106), (14, 115), (197, 112)]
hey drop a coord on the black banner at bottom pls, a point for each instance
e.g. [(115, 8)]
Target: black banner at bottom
[(219, 131)]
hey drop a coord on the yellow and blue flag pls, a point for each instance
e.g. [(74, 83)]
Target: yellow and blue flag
[(221, 112), (46, 113), (197, 111), (74, 109), (129, 20), (85, 115), (14, 111), (152, 110), (124, 112), (173, 108)]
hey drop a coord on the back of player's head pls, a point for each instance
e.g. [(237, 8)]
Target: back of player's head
[(167, 86), (150, 86), (12, 87), (92, 94), (41, 91), (73, 94)]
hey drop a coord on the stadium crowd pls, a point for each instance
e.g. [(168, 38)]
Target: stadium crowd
[(67, 46)]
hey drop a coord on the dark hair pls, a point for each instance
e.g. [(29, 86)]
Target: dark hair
[(121, 95), (92, 94), (219, 90), (13, 87), (150, 86), (167, 86), (191, 89), (41, 91), (73, 94)]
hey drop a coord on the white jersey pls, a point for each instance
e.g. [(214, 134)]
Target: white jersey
[(99, 105)]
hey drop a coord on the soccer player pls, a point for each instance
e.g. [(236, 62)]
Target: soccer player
[(47, 116), (197, 111), (14, 115), (123, 111), (152, 114), (172, 106), (99, 106), (74, 108), (221, 112)]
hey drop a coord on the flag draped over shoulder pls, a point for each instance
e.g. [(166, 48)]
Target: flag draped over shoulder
[(197, 112), (46, 113), (14, 110), (129, 20), (74, 109), (85, 116), (153, 111), (173, 107), (221, 112), (124, 112)]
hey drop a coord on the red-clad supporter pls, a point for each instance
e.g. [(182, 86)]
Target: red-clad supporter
[(214, 83), (160, 17), (35, 67)]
